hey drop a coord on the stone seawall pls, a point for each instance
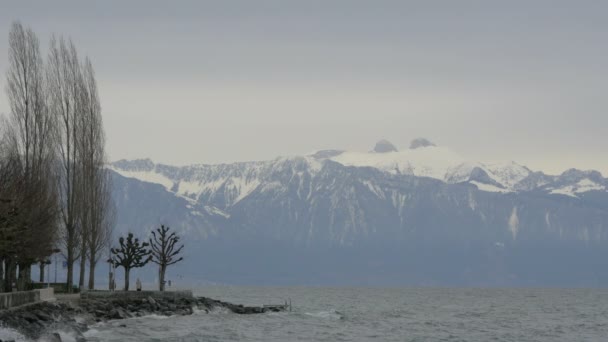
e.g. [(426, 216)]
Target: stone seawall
[(12, 299)]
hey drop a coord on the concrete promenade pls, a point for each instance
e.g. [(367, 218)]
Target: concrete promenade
[(13, 299)]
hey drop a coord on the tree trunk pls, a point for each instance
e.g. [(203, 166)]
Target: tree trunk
[(8, 274), (23, 281), (28, 276), (14, 270), (111, 276), (162, 277), (42, 266), (14, 275), (83, 263), (91, 273), (127, 270), (1, 275), (19, 278), (70, 277)]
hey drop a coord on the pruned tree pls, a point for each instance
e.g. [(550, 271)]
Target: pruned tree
[(164, 251), (130, 254)]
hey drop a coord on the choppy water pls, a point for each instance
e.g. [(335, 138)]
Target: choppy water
[(356, 314)]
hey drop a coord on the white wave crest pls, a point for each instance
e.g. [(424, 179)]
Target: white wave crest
[(331, 314), (10, 334)]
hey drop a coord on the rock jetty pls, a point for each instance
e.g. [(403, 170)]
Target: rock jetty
[(44, 318)]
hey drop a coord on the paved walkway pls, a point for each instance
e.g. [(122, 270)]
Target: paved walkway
[(68, 298)]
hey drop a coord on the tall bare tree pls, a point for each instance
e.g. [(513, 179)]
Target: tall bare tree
[(84, 184), (33, 126), (96, 212), (102, 221), (64, 80), (102, 210), (164, 251), (29, 141), (52, 160)]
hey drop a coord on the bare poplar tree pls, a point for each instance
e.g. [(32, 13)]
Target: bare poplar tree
[(52, 160), (85, 168), (30, 140), (31, 121), (102, 221), (164, 251), (96, 212), (64, 80), (99, 211), (86, 204)]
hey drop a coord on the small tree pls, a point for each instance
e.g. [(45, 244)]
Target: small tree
[(130, 254), (164, 251)]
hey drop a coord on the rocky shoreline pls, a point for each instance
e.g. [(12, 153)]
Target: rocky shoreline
[(44, 319)]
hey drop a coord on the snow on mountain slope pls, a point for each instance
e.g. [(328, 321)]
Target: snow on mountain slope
[(488, 187), (224, 185), (429, 160), (150, 176), (508, 174), (582, 186)]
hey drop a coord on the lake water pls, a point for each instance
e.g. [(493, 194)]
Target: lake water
[(361, 314)]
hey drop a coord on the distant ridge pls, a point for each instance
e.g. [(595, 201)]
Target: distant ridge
[(416, 216)]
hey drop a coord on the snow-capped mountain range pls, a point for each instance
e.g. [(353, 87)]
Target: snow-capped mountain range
[(379, 211), (423, 159)]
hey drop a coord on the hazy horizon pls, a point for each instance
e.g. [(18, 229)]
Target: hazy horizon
[(223, 81), (450, 187)]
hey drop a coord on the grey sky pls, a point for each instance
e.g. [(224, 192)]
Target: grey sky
[(203, 82)]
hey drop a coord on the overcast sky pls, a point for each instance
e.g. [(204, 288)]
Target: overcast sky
[(204, 82)]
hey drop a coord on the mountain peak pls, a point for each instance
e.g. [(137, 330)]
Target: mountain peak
[(420, 142), (572, 175), (384, 146)]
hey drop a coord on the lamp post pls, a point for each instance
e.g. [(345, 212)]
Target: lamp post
[(48, 276), (111, 274)]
